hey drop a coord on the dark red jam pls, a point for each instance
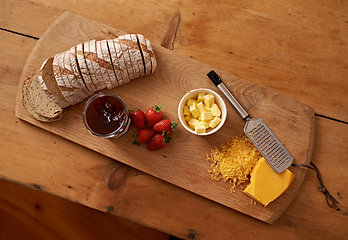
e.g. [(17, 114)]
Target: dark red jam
[(105, 115)]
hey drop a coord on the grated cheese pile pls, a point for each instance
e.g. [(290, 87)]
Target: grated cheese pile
[(233, 161)]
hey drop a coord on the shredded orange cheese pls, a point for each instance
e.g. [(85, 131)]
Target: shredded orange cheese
[(233, 161)]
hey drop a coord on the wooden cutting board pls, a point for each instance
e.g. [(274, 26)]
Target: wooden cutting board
[(183, 162)]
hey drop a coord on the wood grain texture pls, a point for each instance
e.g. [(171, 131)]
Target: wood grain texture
[(175, 76), (294, 48), (148, 200), (43, 216)]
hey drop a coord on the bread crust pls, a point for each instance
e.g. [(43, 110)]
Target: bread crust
[(84, 68), (49, 84)]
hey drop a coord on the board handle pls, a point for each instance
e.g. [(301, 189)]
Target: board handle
[(220, 85)]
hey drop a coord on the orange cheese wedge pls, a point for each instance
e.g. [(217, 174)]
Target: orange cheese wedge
[(265, 184)]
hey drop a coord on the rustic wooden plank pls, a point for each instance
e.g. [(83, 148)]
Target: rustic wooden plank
[(294, 48), (181, 213), (155, 203), (175, 75), (44, 216)]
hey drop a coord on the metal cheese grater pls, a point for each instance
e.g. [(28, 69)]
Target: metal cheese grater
[(258, 132)]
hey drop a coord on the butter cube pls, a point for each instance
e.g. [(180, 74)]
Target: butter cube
[(215, 110), (194, 111), (200, 97), (192, 123), (206, 116), (200, 128), (187, 118), (213, 123), (186, 111), (201, 108), (206, 125), (209, 100), (190, 101)]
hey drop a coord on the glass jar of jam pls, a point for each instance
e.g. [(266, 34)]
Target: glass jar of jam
[(106, 115)]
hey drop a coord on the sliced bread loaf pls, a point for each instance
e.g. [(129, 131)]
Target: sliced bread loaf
[(49, 84)]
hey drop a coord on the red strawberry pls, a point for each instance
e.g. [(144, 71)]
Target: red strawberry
[(138, 118), (143, 136), (153, 115), (157, 142), (164, 125)]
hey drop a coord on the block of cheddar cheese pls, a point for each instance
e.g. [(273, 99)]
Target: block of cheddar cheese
[(265, 184)]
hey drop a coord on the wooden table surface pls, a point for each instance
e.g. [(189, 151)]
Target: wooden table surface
[(294, 48)]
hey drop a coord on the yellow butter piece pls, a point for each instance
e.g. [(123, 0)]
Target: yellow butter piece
[(186, 111), (200, 97), (206, 116), (200, 128), (265, 184), (192, 123), (213, 123), (206, 125), (190, 101), (194, 111), (209, 100), (201, 108), (187, 118), (215, 110)]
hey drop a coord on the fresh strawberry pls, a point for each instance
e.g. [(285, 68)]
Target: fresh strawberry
[(138, 118), (143, 136), (157, 142), (164, 125), (153, 115)]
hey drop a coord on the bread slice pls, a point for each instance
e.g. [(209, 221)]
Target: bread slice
[(138, 55), (85, 73), (62, 81), (38, 100), (152, 56), (49, 84), (31, 111), (103, 65), (93, 56), (132, 54), (120, 63), (145, 53), (76, 71), (77, 92), (107, 64), (125, 48), (89, 57), (113, 57)]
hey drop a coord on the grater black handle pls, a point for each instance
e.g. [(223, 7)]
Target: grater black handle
[(220, 85)]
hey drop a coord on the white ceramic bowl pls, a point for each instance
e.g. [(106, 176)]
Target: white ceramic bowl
[(194, 94)]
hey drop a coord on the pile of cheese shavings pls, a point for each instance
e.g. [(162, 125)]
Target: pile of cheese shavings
[(233, 161)]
